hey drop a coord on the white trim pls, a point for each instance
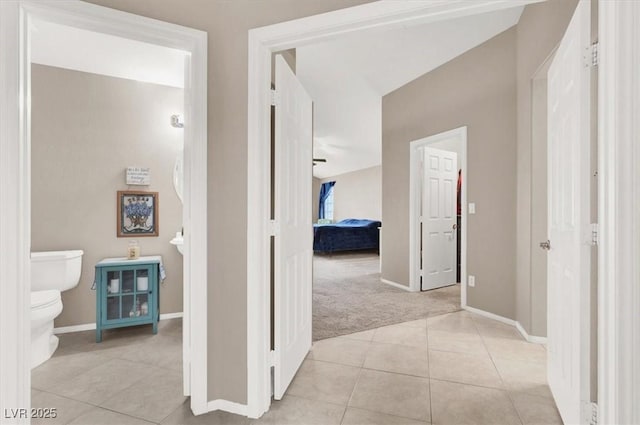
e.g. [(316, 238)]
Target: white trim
[(489, 315), (414, 207), (530, 338), (74, 328), (397, 285), (92, 326), (15, 285), (15, 183), (227, 406), (262, 43), (169, 316), (618, 205)]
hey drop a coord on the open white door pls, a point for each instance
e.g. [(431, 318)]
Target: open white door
[(569, 277), (439, 185), (294, 235)]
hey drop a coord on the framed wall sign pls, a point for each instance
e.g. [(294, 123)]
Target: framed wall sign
[(137, 213)]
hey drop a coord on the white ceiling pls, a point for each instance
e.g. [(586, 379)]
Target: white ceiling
[(81, 50), (347, 78)]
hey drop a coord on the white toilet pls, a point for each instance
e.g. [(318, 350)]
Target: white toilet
[(51, 273)]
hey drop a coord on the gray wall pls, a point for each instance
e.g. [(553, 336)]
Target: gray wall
[(539, 31), (227, 23), (441, 100), (86, 130), (358, 194)]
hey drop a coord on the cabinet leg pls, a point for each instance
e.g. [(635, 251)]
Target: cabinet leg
[(155, 327), (98, 335)]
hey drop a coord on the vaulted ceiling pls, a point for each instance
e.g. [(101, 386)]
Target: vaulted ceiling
[(348, 76)]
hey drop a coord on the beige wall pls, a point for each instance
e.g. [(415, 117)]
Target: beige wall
[(539, 31), (227, 24), (315, 199), (538, 207), (477, 90), (358, 194), (86, 130)]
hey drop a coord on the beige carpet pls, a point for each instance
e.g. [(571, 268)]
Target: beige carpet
[(348, 297)]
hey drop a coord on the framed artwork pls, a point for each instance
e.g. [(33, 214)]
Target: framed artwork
[(137, 214)]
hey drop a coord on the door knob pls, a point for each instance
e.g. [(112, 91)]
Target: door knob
[(455, 226), (546, 245)]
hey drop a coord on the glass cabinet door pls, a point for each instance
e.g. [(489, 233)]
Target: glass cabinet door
[(127, 294), (113, 290)]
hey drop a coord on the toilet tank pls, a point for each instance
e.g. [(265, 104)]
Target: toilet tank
[(55, 270)]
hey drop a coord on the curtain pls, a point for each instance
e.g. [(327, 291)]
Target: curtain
[(325, 190)]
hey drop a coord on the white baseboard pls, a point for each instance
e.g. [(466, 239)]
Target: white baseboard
[(516, 324), (530, 338), (227, 406), (490, 315), (92, 326), (167, 316), (75, 328), (397, 285)]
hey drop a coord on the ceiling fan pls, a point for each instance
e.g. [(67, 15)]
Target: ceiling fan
[(317, 160)]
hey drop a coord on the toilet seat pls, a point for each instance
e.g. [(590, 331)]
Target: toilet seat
[(44, 299)]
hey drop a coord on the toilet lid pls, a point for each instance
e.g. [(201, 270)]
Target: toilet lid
[(40, 299)]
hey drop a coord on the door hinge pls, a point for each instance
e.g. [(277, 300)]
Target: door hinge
[(272, 358), (275, 98), (590, 413), (591, 57), (594, 234), (273, 228)]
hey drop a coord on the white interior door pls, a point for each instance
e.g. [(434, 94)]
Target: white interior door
[(294, 237), (569, 279), (439, 185)]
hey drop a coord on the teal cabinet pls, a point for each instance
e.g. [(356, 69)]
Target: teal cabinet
[(126, 293)]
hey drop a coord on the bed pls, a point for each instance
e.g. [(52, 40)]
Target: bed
[(350, 234)]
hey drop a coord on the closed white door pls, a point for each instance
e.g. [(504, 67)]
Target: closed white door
[(439, 185), (569, 246), (294, 234)]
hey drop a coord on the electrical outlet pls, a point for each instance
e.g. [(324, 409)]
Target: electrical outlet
[(472, 207), (472, 281)]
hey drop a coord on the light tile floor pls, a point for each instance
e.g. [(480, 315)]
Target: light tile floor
[(454, 369)]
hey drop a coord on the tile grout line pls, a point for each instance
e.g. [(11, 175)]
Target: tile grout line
[(67, 397), (386, 414), (373, 369), (126, 414), (498, 371), (353, 390), (358, 380)]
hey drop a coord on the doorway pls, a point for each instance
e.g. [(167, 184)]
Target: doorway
[(97, 120), (268, 40), (450, 254), (16, 181)]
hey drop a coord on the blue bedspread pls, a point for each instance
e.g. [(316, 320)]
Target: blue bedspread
[(346, 235)]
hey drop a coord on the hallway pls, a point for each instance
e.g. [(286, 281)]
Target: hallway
[(457, 368)]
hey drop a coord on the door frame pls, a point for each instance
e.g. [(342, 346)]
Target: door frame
[(415, 197), (618, 206), (15, 180), (262, 42)]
